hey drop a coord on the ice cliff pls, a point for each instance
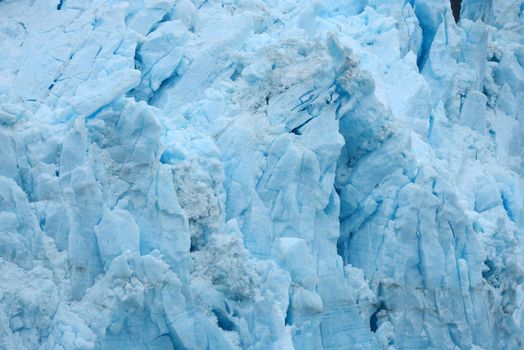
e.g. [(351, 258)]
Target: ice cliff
[(261, 174)]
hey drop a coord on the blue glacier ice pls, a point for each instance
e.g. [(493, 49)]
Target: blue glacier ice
[(261, 174)]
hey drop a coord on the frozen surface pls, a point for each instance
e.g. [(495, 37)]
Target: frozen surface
[(261, 174)]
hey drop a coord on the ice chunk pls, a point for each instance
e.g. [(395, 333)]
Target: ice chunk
[(116, 233), (91, 97)]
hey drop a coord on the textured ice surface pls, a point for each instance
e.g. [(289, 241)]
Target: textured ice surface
[(261, 174)]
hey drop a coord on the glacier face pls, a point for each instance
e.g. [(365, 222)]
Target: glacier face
[(192, 174)]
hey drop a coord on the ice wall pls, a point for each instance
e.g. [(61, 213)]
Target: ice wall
[(192, 174)]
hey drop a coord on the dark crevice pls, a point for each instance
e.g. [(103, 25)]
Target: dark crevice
[(238, 71), (490, 269), (167, 83), (42, 223), (507, 207), (60, 5), (429, 27), (373, 320), (289, 315), (424, 50), (223, 320), (165, 18), (52, 85), (455, 8), (343, 244), (296, 130), (23, 26), (160, 336)]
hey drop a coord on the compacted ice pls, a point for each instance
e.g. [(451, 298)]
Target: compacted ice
[(261, 174)]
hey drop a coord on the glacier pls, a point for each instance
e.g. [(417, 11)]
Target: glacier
[(261, 174)]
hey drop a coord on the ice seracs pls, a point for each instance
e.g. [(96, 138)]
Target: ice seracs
[(261, 175)]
